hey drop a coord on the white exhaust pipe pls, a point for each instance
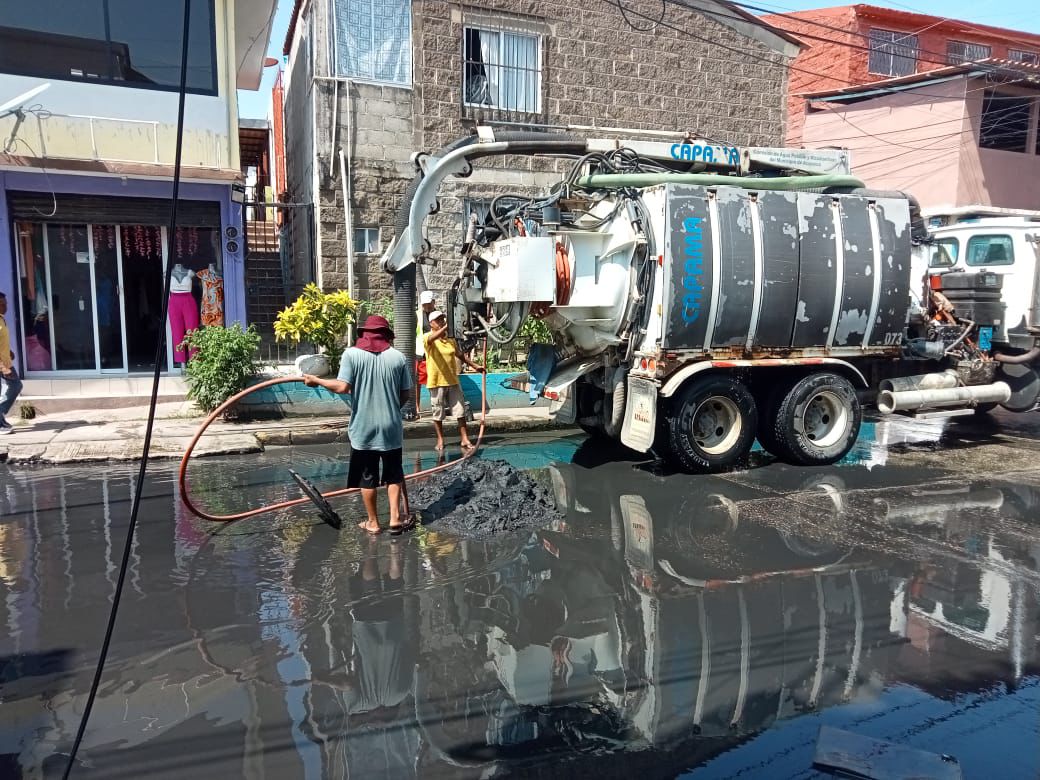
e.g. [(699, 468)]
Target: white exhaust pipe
[(936, 381), (890, 401)]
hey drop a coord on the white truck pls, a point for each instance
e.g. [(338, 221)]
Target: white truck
[(702, 296)]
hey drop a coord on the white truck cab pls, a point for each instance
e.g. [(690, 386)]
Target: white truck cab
[(976, 239)]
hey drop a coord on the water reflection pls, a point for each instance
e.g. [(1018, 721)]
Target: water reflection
[(666, 624)]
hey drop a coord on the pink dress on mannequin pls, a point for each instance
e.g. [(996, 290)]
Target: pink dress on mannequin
[(184, 314)]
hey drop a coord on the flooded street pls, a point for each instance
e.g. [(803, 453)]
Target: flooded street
[(670, 625)]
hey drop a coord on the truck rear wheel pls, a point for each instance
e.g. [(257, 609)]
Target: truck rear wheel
[(711, 426), (817, 422)]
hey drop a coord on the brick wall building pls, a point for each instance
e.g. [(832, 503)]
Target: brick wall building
[(860, 44), (371, 81)]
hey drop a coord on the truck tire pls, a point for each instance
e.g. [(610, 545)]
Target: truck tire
[(817, 421), (768, 400), (711, 425)]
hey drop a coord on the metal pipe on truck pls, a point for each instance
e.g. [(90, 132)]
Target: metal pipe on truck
[(890, 401), (936, 381)]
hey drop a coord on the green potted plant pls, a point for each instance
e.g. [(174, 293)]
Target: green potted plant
[(319, 318), (226, 360)]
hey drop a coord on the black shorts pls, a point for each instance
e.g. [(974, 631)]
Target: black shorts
[(364, 468)]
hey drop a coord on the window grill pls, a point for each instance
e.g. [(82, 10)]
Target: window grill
[(502, 75), (959, 51), (892, 53)]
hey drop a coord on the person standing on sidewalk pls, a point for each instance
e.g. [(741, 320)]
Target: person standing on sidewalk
[(442, 378), (427, 303), (10, 383), (377, 378)]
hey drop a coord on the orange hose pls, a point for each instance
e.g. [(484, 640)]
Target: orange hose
[(183, 472)]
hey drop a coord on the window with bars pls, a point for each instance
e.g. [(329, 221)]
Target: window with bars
[(959, 51), (373, 40), (502, 69), (892, 53), (1005, 122), (1021, 55)]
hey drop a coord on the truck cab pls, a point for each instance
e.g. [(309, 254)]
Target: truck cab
[(980, 240)]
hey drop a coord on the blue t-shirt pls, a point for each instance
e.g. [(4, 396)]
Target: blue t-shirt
[(377, 381)]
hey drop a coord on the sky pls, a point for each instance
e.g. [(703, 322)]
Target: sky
[(1013, 14), (256, 105)]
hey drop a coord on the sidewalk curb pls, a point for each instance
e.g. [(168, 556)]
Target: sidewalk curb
[(236, 439)]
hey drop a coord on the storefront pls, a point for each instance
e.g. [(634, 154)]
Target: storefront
[(83, 264)]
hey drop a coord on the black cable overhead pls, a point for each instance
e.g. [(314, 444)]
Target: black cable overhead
[(160, 351)]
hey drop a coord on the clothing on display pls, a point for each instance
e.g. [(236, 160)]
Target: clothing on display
[(181, 280), (184, 316), (212, 297)]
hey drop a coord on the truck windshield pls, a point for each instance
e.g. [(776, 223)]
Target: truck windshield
[(990, 250), (944, 253)]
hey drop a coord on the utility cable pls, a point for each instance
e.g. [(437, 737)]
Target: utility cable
[(160, 350)]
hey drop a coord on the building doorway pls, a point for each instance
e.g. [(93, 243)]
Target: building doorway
[(91, 295)]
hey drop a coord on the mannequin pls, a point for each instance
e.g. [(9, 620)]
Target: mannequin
[(212, 297), (184, 314)]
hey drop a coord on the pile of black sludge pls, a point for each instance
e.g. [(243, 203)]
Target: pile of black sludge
[(481, 498)]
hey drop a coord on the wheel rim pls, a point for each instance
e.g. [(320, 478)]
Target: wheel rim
[(716, 425), (826, 419)]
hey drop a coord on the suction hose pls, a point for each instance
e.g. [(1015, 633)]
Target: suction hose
[(182, 476)]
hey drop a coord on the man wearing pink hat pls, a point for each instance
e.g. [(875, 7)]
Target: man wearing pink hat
[(377, 378)]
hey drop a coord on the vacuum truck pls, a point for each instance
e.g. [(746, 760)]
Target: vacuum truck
[(703, 296)]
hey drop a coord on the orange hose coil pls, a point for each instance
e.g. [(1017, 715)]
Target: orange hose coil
[(183, 471)]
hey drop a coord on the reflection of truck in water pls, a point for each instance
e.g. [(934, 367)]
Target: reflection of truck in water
[(694, 310), (679, 634)]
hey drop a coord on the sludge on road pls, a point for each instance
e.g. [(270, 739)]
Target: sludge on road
[(668, 624)]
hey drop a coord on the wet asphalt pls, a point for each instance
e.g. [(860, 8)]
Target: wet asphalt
[(670, 625)]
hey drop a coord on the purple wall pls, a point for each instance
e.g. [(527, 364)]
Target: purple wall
[(32, 181)]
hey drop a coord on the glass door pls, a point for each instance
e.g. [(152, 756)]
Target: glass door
[(69, 282), (142, 249), (108, 288)]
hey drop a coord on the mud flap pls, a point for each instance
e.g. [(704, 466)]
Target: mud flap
[(640, 415)]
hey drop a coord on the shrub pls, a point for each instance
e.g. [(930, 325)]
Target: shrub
[(383, 305), (226, 360), (319, 318)]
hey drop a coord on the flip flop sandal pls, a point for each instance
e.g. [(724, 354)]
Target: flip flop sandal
[(408, 525)]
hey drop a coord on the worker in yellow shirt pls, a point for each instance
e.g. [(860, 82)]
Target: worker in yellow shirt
[(10, 383), (442, 378)]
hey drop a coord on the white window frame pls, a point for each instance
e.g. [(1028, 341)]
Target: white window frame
[(367, 233), (501, 32), (960, 51), (887, 48)]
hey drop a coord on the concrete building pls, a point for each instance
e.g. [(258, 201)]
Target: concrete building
[(962, 135), (860, 44), (369, 82), (85, 170)]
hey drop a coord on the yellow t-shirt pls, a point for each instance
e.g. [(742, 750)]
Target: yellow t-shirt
[(441, 361), (5, 345)]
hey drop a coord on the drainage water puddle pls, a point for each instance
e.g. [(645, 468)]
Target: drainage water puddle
[(665, 625)]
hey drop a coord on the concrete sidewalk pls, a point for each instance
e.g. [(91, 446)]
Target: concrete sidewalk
[(118, 434)]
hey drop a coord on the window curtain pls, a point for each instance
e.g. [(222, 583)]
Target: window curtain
[(519, 73), (492, 67), (374, 40)]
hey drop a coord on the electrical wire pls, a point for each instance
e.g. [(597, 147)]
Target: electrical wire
[(160, 349), (775, 60)]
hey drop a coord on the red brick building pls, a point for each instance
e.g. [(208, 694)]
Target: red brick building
[(859, 44)]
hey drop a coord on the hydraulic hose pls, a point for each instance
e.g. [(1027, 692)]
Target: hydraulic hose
[(182, 475), (615, 181), (1016, 360)]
